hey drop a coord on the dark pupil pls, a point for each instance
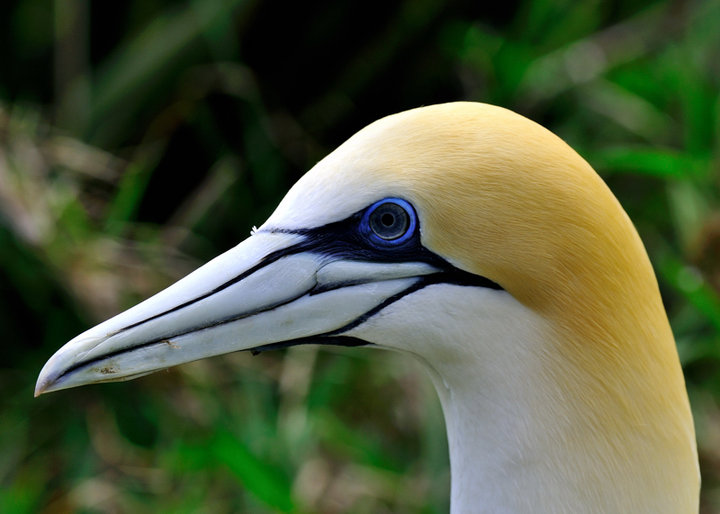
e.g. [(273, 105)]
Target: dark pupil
[(389, 221)]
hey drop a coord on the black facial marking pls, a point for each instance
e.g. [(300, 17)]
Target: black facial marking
[(325, 340), (343, 239)]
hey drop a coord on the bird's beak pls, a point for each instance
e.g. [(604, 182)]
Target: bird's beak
[(271, 290)]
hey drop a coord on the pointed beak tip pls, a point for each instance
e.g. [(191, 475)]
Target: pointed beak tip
[(48, 378), (41, 387)]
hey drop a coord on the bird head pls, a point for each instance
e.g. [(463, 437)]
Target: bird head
[(379, 241), (479, 242)]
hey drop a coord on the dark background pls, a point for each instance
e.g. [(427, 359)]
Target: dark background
[(140, 138)]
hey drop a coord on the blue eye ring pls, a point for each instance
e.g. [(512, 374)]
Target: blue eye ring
[(389, 222)]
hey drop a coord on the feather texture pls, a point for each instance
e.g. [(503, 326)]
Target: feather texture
[(502, 197)]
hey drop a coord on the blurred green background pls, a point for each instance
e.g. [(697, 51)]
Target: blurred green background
[(140, 138)]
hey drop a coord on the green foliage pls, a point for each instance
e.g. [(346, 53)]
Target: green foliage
[(138, 139)]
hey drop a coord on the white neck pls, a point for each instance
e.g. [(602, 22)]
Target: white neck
[(520, 442), (506, 425), (504, 461)]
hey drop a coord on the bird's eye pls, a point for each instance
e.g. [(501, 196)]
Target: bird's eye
[(390, 221)]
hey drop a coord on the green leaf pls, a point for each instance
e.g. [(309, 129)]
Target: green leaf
[(690, 283), (357, 443), (137, 68), (132, 188), (663, 163), (260, 478)]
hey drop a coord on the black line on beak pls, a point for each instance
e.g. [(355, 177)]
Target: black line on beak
[(321, 339), (335, 337), (265, 261), (338, 240)]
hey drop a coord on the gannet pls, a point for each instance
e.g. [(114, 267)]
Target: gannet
[(480, 243)]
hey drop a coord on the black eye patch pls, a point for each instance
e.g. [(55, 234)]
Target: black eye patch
[(354, 238)]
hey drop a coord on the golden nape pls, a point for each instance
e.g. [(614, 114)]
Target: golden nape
[(478, 242)]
